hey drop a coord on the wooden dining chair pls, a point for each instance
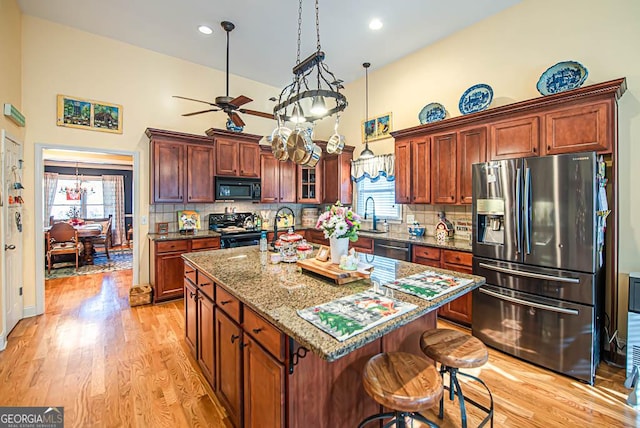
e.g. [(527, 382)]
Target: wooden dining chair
[(61, 239), (106, 237)]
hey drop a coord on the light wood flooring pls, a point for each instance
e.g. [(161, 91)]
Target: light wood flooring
[(110, 365)]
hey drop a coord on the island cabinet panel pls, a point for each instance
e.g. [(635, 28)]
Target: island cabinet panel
[(269, 337), (578, 129), (206, 335), (471, 148), (515, 138), (458, 310), (264, 387), (443, 168), (190, 315), (412, 170), (407, 337), (228, 303), (228, 363), (182, 167), (332, 392)]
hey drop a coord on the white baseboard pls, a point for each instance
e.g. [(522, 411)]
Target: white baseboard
[(3, 341), (29, 311)]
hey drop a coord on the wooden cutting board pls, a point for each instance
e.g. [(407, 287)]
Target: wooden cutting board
[(332, 271)]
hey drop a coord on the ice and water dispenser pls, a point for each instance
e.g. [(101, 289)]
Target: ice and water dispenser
[(490, 221)]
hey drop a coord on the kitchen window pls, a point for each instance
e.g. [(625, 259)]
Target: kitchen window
[(383, 193)]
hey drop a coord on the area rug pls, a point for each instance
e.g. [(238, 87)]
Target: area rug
[(120, 260)]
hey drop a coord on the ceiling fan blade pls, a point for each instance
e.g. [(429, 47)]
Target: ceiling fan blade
[(236, 119), (257, 113), (201, 111), (241, 100), (193, 99)]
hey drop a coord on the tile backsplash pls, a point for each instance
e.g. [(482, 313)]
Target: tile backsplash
[(427, 216)]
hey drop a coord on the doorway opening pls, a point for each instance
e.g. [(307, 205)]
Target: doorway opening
[(87, 188)]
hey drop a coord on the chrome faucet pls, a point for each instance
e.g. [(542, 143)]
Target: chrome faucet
[(275, 223), (366, 204)]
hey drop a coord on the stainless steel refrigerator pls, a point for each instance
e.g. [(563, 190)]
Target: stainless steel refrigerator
[(538, 239)]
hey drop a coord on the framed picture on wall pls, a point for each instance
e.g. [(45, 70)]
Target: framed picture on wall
[(74, 112), (377, 128)]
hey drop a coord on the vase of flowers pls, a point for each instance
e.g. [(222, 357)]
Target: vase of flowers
[(340, 225)]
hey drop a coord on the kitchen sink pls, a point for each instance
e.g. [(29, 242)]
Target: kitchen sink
[(372, 231)]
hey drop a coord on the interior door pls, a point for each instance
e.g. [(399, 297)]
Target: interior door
[(12, 231)]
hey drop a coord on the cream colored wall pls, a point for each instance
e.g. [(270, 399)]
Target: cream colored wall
[(509, 51), (11, 57), (61, 60)]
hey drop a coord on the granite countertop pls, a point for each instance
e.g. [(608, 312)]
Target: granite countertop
[(177, 235), (430, 241), (277, 291)]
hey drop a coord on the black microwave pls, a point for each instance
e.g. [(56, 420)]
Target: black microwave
[(230, 188)]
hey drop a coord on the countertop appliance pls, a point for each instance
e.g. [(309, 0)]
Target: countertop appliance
[(537, 240), (237, 189), (233, 230)]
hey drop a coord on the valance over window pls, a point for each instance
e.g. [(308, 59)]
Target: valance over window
[(373, 168)]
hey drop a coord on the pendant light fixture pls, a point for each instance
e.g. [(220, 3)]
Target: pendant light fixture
[(300, 101), (366, 153)]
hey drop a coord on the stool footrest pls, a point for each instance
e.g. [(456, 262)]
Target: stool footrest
[(398, 419), (453, 372)]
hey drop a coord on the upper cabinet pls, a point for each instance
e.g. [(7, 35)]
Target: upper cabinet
[(310, 184), (582, 119), (237, 154), (182, 167), (412, 166), (336, 176), (278, 179)]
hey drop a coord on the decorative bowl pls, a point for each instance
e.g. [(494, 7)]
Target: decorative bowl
[(416, 231)]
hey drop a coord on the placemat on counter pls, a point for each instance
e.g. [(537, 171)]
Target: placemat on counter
[(348, 316), (428, 285)]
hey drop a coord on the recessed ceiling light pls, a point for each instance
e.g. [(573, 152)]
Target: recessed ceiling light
[(375, 24), (205, 30)]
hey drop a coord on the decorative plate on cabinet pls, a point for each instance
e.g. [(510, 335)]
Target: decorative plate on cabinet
[(432, 112), (476, 98), (563, 76)]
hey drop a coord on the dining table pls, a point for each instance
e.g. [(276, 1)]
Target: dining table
[(86, 233)]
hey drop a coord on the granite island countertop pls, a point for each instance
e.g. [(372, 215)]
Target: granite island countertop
[(276, 292)]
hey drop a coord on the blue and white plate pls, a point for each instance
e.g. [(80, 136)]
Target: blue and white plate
[(476, 98), (432, 112), (563, 76)]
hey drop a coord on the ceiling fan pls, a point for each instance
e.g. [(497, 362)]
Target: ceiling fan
[(225, 103)]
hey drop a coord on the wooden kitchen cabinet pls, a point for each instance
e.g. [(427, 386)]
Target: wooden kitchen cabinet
[(443, 168), (310, 184), (206, 335), (471, 148), (458, 310), (278, 179), (412, 170), (228, 363), (336, 176), (182, 167), (167, 273), (316, 237), (237, 153), (580, 129), (190, 313), (515, 138), (362, 245)]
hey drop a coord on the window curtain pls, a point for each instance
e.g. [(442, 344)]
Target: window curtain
[(113, 194), (373, 168), (50, 186)]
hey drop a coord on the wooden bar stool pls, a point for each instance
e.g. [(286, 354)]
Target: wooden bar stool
[(455, 350), (403, 382)]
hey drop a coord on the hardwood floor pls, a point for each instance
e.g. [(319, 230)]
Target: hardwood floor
[(110, 365)]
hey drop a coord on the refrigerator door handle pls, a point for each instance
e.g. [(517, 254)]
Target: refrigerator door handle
[(518, 210), (528, 303), (529, 274), (527, 209)]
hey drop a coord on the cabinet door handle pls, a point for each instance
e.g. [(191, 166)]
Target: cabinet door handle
[(192, 295), (548, 148), (234, 337), (243, 345), (453, 198), (257, 330), (224, 302), (534, 150)]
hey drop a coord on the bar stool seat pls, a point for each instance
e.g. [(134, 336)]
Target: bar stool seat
[(403, 382), (455, 350)]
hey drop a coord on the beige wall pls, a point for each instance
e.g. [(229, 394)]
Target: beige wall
[(509, 52), (60, 60), (11, 57)]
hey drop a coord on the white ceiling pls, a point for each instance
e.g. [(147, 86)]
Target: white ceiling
[(263, 44)]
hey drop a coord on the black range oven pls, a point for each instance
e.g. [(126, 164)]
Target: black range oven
[(236, 230)]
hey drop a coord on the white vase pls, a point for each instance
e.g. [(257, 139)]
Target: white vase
[(339, 248)]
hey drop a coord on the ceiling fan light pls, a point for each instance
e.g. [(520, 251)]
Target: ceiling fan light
[(297, 116), (318, 107)]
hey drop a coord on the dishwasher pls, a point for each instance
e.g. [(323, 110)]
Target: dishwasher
[(393, 249)]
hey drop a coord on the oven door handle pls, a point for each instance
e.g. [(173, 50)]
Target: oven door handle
[(530, 274), (393, 247), (528, 303)]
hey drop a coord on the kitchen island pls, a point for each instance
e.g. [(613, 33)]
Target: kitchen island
[(270, 367)]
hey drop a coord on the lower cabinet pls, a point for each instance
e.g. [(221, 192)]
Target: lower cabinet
[(166, 274), (229, 365), (205, 348), (458, 310), (316, 236), (190, 313)]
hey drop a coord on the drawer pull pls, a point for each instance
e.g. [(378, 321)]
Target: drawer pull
[(257, 330), (206, 284), (224, 302), (234, 337), (190, 271), (243, 345)]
